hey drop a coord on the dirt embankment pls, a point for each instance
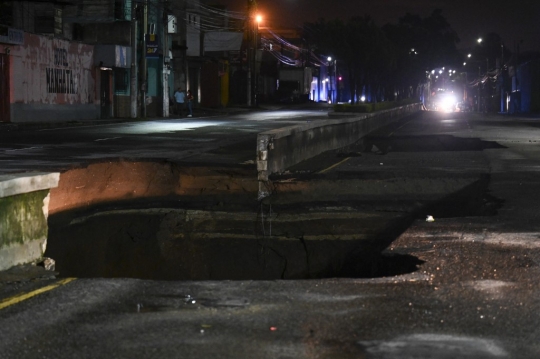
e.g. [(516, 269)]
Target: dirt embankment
[(117, 182), (158, 220)]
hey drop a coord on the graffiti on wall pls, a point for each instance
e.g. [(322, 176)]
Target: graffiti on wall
[(52, 71), (60, 78)]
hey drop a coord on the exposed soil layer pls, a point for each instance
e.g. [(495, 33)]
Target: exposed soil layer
[(155, 220), (108, 182)]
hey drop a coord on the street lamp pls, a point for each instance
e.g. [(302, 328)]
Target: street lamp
[(258, 19), (255, 20), (332, 84), (252, 34)]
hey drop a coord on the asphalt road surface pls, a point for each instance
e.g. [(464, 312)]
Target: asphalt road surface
[(475, 293), (57, 147)]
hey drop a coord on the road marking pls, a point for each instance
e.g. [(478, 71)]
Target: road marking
[(21, 297), (77, 127), (392, 133), (23, 149), (107, 139), (334, 165)]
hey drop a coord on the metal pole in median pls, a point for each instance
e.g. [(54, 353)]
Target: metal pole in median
[(166, 61), (144, 86), (134, 93)]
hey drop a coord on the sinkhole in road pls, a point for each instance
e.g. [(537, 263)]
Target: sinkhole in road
[(194, 244), (158, 221)]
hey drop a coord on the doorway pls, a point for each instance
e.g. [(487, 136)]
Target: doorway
[(105, 94)]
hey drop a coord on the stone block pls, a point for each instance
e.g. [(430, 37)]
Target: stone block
[(24, 205)]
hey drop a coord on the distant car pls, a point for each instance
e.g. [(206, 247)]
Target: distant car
[(445, 102)]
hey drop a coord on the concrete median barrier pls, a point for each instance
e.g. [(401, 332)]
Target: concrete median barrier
[(282, 148)]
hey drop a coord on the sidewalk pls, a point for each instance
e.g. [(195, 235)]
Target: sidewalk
[(197, 112)]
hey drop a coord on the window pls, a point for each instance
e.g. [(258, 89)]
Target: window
[(48, 19), (120, 9), (6, 13), (78, 32), (44, 24), (58, 23), (121, 80)]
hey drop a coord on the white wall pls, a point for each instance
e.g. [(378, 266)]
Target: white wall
[(52, 79)]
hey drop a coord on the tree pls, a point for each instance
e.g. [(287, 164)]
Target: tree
[(361, 47), (490, 50), (390, 60), (422, 44)]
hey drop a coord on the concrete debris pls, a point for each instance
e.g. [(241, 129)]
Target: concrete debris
[(188, 299), (26, 272), (48, 263)]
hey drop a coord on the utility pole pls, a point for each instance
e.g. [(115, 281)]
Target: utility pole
[(501, 78), (144, 75), (487, 88), (166, 60), (478, 84), (134, 93), (255, 77), (251, 40)]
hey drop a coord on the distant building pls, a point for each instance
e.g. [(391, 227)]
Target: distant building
[(120, 82), (43, 78), (525, 94)]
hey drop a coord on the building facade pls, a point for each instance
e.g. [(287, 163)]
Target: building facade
[(43, 78)]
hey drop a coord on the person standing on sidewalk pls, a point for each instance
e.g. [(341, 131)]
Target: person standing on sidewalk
[(189, 98), (179, 99)]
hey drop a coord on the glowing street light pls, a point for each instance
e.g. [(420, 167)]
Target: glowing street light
[(252, 72), (479, 40), (332, 85)]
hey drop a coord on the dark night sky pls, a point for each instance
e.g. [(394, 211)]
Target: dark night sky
[(514, 20)]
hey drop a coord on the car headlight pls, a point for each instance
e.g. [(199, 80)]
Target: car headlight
[(448, 101)]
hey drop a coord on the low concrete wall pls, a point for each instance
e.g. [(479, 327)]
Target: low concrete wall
[(282, 148), (24, 205)]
